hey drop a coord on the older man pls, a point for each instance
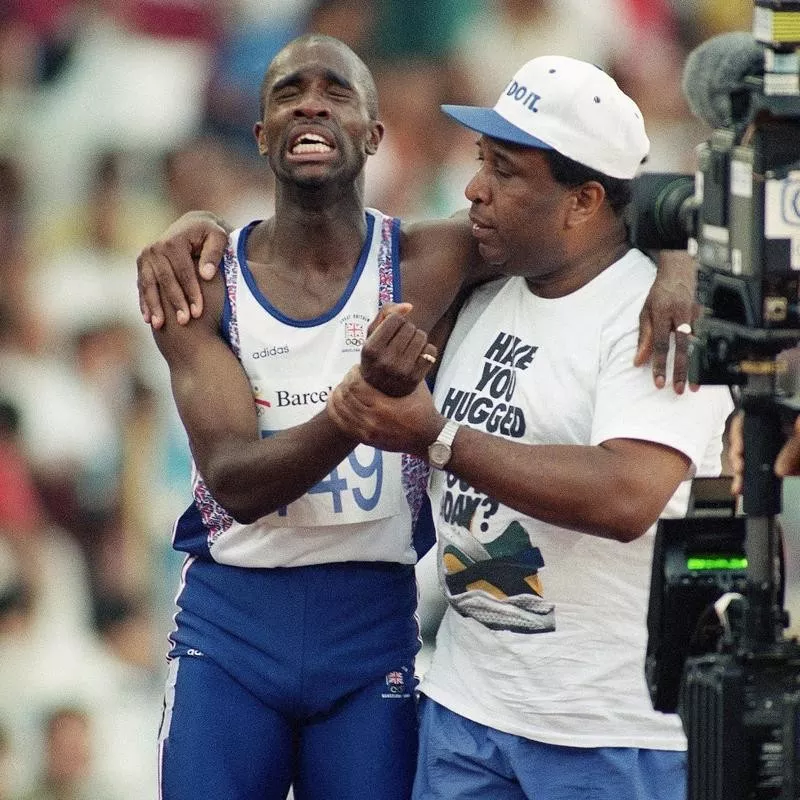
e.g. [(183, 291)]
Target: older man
[(554, 456)]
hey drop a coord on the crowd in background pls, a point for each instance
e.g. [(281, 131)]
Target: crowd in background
[(115, 117)]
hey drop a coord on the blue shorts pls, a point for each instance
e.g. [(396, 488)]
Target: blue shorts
[(300, 676), (459, 758)]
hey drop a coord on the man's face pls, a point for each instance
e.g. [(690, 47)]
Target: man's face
[(316, 125), (518, 210)]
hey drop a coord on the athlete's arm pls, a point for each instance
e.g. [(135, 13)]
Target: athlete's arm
[(438, 259), (441, 259), (559, 484), (247, 475)]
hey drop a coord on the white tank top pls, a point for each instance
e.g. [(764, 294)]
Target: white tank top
[(360, 511)]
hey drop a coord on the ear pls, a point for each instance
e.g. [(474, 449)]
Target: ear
[(585, 201), (260, 137), (374, 139)]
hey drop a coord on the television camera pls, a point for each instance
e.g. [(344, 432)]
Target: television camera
[(717, 653)]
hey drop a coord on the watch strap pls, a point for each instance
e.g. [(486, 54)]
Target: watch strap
[(448, 433)]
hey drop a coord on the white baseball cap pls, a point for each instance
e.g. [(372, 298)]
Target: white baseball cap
[(572, 106)]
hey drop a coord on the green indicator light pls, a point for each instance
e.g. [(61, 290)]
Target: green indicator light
[(697, 563)]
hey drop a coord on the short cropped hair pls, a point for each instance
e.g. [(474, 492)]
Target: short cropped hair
[(571, 174)]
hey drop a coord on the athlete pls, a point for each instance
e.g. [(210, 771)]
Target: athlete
[(292, 661)]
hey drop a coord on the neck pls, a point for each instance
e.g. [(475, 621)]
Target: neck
[(587, 260), (311, 232)]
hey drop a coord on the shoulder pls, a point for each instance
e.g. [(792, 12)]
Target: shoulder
[(487, 291), (239, 237), (437, 239), (615, 300), (627, 280), (637, 266)]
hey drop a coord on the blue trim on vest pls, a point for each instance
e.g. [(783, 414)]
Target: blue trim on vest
[(279, 315), (191, 534), (423, 536), (397, 288), (227, 311), (225, 322)]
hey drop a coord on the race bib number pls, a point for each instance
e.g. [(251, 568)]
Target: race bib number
[(365, 486)]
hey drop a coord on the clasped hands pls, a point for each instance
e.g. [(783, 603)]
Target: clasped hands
[(384, 401)]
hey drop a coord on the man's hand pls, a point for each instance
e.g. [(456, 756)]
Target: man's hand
[(168, 268), (398, 424), (669, 307), (736, 452), (787, 462), (396, 355)]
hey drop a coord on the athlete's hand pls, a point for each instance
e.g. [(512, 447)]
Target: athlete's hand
[(397, 354), (670, 307), (398, 424), (168, 268), (404, 309)]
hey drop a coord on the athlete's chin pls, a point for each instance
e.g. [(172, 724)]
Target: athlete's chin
[(310, 174), (311, 181)]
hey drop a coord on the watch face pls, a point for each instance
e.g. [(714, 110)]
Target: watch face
[(439, 454)]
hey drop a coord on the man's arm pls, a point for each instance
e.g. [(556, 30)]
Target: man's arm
[(788, 461), (439, 257), (247, 475), (615, 490)]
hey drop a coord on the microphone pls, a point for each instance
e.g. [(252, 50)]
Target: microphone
[(714, 78)]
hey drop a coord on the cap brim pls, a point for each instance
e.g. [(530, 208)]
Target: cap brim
[(488, 122)]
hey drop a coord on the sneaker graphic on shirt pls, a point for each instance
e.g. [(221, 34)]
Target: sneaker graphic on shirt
[(504, 590)]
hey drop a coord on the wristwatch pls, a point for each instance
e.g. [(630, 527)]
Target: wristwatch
[(439, 452)]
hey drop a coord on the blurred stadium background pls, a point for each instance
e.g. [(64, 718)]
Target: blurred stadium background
[(115, 117)]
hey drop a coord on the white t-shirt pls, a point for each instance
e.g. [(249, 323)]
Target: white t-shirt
[(563, 664)]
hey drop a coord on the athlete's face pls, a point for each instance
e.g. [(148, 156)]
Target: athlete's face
[(317, 126), (518, 210)]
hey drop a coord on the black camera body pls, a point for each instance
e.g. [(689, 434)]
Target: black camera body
[(740, 714), (748, 242), (740, 214), (739, 700), (695, 561), (716, 650)]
